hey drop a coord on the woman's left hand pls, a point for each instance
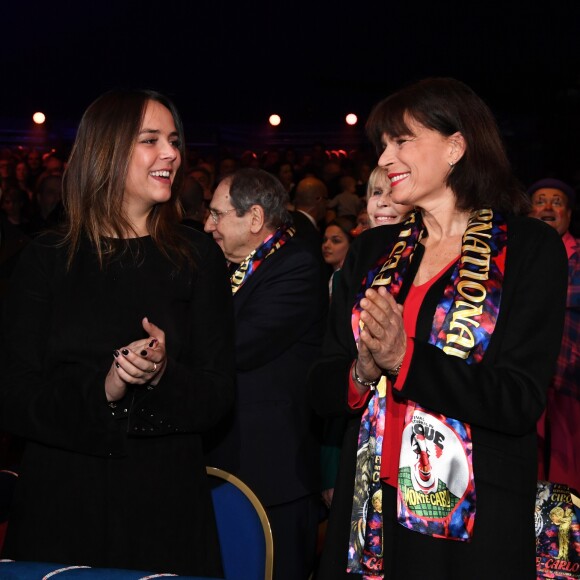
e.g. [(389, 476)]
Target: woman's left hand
[(143, 361), (383, 333)]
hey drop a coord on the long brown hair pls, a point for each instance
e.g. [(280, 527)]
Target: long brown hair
[(94, 181)]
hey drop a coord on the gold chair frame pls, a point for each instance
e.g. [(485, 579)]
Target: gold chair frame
[(253, 499)]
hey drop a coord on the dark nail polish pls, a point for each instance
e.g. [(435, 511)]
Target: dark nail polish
[(125, 351), (143, 353), (116, 353), (152, 343), (117, 364)]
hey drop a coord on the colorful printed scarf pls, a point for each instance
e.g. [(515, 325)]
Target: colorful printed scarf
[(462, 326), (270, 245)]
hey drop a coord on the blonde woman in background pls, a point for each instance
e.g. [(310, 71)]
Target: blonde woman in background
[(382, 210)]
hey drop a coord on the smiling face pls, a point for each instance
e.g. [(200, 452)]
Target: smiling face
[(335, 246), (154, 162), (418, 164), (551, 206), (382, 210)]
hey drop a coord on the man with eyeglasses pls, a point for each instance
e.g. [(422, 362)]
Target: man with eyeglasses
[(269, 441), (553, 202)]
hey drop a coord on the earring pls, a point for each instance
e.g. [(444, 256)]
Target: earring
[(451, 164)]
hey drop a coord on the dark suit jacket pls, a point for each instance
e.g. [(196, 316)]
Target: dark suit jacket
[(502, 397), (306, 230), (270, 442)]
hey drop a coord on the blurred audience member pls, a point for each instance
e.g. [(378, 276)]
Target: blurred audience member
[(249, 159), (338, 236), (363, 173), (12, 206), (289, 155), (6, 166), (49, 209), (559, 460), (331, 172), (271, 160), (310, 210), (363, 222), (21, 175), (336, 242), (347, 202), (34, 163), (6, 171), (192, 202), (227, 166), (52, 165), (205, 179), (286, 176)]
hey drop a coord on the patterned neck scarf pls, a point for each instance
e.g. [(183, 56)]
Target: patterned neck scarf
[(270, 245), (462, 326)]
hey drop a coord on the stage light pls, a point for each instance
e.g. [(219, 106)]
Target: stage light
[(275, 120), (351, 119), (39, 118)]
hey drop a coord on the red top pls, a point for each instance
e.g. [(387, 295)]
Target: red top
[(396, 408)]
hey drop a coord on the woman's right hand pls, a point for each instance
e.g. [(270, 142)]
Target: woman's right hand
[(129, 366), (140, 362), (383, 335)]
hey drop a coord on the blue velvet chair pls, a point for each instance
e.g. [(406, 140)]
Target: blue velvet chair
[(243, 528)]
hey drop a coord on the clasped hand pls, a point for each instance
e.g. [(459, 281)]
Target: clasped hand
[(140, 362), (383, 341)]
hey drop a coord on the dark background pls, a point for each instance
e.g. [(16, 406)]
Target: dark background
[(229, 65)]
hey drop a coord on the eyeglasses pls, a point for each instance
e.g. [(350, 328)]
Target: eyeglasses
[(215, 214)]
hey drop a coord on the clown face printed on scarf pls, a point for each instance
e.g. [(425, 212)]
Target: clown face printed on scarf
[(423, 477), (434, 469)]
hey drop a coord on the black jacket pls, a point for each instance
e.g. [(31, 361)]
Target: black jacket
[(272, 443), (502, 398)]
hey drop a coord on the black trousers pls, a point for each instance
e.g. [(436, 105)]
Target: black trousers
[(294, 528)]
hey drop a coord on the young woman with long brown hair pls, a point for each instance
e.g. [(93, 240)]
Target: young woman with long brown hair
[(118, 355)]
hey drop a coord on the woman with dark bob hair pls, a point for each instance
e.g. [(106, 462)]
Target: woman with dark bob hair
[(118, 356), (442, 339)]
